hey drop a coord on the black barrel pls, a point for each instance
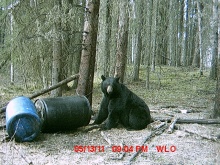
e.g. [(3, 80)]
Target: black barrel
[(63, 113)]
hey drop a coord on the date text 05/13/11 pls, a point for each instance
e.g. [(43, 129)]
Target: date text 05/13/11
[(125, 148)]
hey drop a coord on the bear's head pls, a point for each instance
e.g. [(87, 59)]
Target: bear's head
[(110, 86)]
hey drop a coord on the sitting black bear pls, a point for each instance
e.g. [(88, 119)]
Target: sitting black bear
[(120, 105)]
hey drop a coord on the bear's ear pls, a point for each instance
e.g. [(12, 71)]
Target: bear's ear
[(103, 78), (117, 79)]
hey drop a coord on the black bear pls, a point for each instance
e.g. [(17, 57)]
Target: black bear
[(120, 105)]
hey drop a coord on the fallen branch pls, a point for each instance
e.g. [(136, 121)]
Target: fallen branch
[(190, 121), (23, 157), (172, 125), (91, 127), (203, 137), (169, 106), (71, 78), (54, 86), (106, 138), (157, 131)]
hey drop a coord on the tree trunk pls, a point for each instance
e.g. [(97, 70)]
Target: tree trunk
[(137, 57), (148, 44), (87, 64), (57, 53), (217, 95), (200, 38), (214, 41), (154, 34), (75, 47), (185, 34), (11, 47), (180, 32), (42, 58), (190, 42), (196, 57), (216, 55), (171, 34), (122, 40), (108, 22)]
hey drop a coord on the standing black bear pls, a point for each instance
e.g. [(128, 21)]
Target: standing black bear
[(120, 105)]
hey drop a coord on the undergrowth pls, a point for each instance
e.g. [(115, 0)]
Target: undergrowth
[(168, 85), (176, 86)]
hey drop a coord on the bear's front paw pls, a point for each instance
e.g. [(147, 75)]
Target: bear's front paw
[(96, 122), (104, 127)]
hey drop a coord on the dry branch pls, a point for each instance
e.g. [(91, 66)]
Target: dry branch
[(202, 136), (23, 157), (91, 127), (157, 131), (169, 106), (106, 138), (191, 121), (172, 125), (71, 78)]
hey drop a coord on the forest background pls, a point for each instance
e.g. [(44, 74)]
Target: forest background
[(44, 42)]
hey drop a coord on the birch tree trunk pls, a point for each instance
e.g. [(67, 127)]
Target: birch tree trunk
[(11, 47), (185, 34), (200, 38), (148, 44)]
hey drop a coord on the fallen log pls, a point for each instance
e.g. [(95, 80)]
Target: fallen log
[(43, 91), (190, 121), (198, 121)]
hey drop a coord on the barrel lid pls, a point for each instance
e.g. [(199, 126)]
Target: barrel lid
[(24, 127)]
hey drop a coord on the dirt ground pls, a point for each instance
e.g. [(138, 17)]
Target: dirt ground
[(188, 144)]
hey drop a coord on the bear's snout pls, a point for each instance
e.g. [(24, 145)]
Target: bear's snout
[(109, 89)]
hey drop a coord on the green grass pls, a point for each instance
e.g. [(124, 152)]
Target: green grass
[(168, 86), (175, 86)]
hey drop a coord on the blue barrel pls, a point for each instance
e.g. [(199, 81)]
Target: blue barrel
[(63, 113), (22, 120)]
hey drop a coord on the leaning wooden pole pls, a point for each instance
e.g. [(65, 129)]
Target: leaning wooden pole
[(54, 86), (71, 78)]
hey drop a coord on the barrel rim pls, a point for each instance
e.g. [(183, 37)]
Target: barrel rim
[(11, 133)]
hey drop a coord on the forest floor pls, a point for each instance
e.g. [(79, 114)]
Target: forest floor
[(172, 92)]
